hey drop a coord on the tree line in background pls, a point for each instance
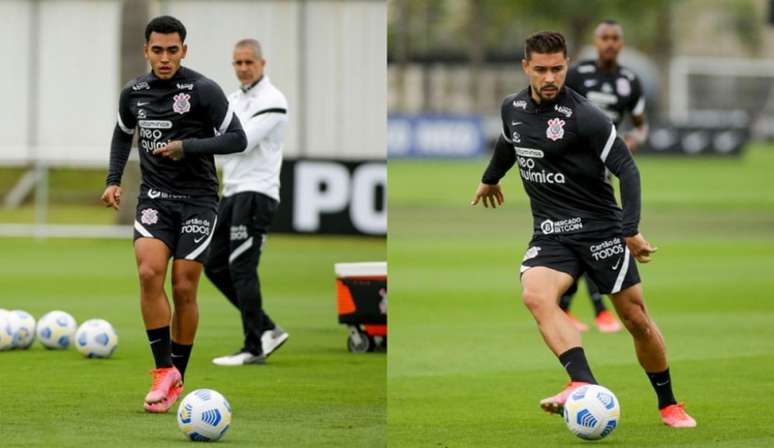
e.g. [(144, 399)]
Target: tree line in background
[(476, 31)]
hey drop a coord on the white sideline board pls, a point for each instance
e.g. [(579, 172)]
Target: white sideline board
[(368, 268)]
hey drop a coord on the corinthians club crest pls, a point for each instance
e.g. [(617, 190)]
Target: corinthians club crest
[(150, 216), (555, 129), (182, 103)]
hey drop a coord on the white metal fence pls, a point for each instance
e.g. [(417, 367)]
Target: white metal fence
[(61, 85), (62, 80)]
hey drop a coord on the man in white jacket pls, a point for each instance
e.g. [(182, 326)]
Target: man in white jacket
[(250, 200)]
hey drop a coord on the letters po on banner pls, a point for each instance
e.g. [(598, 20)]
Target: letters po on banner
[(333, 197)]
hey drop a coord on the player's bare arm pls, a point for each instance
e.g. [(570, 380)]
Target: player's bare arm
[(172, 150), (489, 195), (489, 190), (640, 248), (638, 135), (112, 196)]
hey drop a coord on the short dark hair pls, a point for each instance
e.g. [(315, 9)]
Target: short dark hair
[(165, 25), (609, 22), (545, 42)]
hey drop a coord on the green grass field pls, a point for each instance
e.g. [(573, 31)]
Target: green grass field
[(467, 365), (312, 393)]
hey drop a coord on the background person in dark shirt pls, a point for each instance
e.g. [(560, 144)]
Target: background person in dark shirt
[(564, 147), (610, 86), (182, 119), (617, 91)]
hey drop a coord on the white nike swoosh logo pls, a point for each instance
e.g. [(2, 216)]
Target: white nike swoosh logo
[(661, 384), (153, 342), (139, 104), (516, 123), (615, 266), (196, 240), (176, 356)]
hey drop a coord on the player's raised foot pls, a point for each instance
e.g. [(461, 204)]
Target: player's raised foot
[(555, 404), (163, 379), (675, 416), (607, 323), (580, 326), (163, 406), (240, 358), (272, 340)]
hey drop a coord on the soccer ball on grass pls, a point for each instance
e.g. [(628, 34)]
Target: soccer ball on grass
[(204, 415), (24, 331), (6, 330), (56, 330), (96, 338), (592, 412)]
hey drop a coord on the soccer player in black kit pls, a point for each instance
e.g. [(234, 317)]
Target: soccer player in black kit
[(563, 146), (182, 119), (616, 91)]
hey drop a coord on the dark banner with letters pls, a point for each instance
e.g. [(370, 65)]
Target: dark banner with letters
[(333, 197), (696, 140), (435, 136)]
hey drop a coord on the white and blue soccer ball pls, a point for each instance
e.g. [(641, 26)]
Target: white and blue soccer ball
[(56, 330), (96, 338), (24, 329), (204, 415), (6, 330), (592, 412)]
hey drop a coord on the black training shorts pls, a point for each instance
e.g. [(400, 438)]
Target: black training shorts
[(185, 226), (602, 255)]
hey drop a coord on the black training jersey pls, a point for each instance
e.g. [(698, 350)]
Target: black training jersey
[(187, 107), (616, 92), (563, 148)]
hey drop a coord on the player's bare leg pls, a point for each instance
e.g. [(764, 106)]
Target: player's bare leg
[(185, 284), (541, 289), (185, 319), (651, 353), (648, 341), (152, 257)]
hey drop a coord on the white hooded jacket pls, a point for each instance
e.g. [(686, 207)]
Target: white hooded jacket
[(263, 111)]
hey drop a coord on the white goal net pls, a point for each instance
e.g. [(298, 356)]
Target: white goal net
[(723, 92)]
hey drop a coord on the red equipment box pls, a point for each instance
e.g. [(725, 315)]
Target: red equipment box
[(361, 293)]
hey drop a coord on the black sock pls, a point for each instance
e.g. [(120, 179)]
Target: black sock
[(564, 302), (160, 343), (662, 384), (596, 297), (181, 353), (575, 363), (599, 306)]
